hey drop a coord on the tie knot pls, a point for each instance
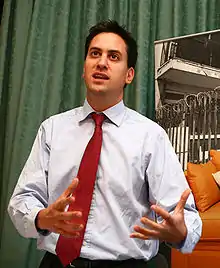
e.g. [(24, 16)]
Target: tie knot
[(98, 118)]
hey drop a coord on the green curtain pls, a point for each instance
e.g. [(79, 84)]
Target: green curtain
[(41, 61)]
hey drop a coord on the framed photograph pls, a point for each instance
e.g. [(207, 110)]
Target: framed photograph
[(187, 93)]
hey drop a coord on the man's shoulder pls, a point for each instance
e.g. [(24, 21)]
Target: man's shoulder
[(143, 121), (64, 117)]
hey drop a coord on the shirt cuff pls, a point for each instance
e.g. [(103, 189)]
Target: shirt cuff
[(29, 223), (188, 244)]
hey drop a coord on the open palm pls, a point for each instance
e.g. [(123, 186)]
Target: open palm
[(172, 229)]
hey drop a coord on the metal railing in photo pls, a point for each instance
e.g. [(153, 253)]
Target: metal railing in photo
[(193, 125)]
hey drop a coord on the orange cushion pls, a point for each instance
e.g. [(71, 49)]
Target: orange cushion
[(215, 155), (203, 185), (211, 223)]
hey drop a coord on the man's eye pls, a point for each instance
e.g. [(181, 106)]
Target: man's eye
[(95, 53), (114, 57)]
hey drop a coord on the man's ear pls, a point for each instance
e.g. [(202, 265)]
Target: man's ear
[(130, 75), (83, 74)]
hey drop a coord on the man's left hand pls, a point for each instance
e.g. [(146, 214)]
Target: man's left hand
[(172, 229)]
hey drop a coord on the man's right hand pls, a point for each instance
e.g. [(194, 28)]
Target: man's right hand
[(56, 219)]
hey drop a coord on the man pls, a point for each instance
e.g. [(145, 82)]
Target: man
[(139, 195)]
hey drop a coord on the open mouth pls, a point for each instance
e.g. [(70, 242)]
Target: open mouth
[(100, 76)]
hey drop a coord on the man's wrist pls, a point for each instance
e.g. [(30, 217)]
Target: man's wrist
[(178, 245), (41, 231)]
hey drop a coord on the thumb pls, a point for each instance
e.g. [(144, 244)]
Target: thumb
[(182, 202), (70, 189), (61, 203)]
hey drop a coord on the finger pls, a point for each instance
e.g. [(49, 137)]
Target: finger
[(69, 227), (181, 204), (71, 187), (67, 234), (140, 236), (147, 232), (69, 215), (151, 224), (162, 212), (61, 203)]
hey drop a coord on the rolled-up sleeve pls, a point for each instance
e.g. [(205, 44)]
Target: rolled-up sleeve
[(31, 193), (167, 182), (194, 229)]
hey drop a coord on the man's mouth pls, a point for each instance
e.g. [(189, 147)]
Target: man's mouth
[(100, 76)]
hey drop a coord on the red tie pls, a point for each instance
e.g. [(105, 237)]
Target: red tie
[(69, 249)]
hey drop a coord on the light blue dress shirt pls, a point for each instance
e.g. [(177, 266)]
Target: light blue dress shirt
[(138, 167)]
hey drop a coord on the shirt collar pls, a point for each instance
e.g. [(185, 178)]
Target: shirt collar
[(115, 113)]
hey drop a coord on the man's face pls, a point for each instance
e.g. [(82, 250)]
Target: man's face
[(105, 68)]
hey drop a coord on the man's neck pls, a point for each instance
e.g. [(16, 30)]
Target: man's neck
[(100, 104)]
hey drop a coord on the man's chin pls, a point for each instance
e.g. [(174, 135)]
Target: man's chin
[(98, 90)]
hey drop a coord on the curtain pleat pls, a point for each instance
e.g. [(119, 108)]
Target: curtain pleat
[(41, 65)]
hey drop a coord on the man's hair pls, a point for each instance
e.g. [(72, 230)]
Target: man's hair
[(111, 26)]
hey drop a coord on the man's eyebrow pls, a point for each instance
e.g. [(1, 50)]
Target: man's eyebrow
[(95, 48), (115, 51)]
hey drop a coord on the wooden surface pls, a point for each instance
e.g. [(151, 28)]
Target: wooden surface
[(202, 257)]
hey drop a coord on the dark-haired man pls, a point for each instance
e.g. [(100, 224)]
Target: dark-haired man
[(139, 196)]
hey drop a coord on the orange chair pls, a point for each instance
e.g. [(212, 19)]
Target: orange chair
[(207, 197)]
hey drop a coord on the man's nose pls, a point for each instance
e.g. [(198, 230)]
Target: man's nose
[(103, 62)]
